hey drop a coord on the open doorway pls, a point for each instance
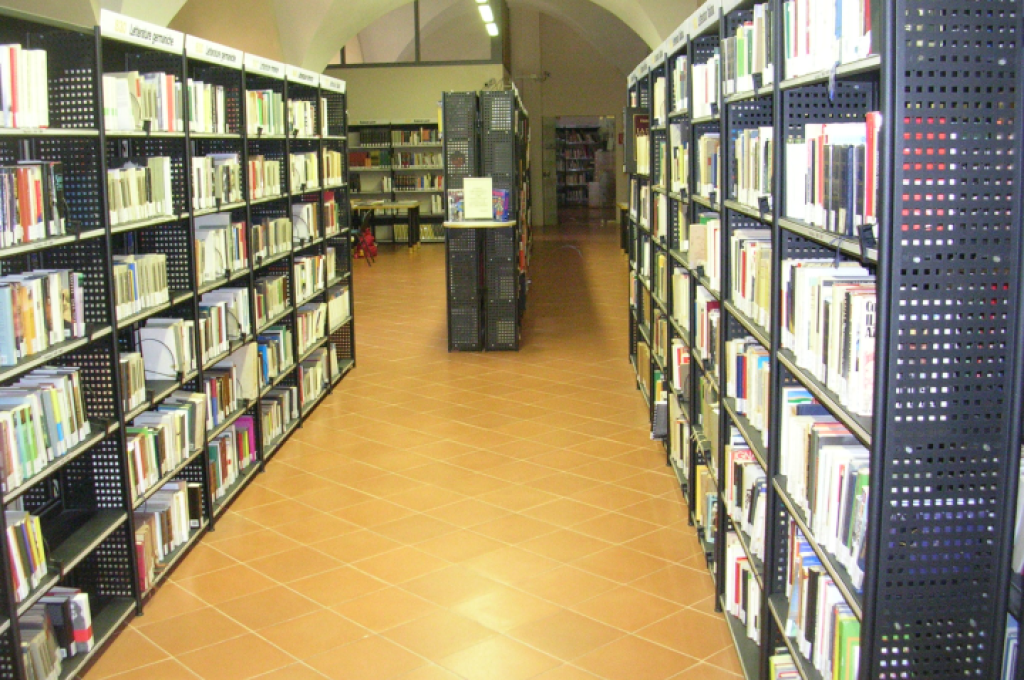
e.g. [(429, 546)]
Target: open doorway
[(582, 178)]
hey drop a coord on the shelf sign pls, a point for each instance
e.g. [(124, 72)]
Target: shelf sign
[(204, 50), (302, 76), (263, 67), (707, 14), (679, 37), (657, 58), (120, 27), (332, 84)]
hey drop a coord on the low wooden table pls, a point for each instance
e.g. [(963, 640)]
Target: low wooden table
[(411, 207)]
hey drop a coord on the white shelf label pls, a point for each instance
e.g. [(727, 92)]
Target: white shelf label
[(302, 76), (204, 50), (119, 27), (332, 84), (264, 67)]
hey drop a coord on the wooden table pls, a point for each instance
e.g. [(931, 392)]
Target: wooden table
[(411, 207)]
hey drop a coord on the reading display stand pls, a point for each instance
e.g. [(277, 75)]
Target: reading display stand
[(946, 262), (402, 147), (83, 497)]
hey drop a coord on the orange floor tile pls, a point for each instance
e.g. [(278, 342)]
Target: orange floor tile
[(498, 516)]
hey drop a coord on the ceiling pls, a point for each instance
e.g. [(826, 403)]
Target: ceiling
[(311, 32)]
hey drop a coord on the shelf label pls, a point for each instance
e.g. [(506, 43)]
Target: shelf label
[(204, 50), (302, 76), (370, 121), (332, 84), (706, 15), (127, 29), (680, 36), (257, 65)]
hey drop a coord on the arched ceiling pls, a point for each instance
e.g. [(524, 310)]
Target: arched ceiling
[(311, 32)]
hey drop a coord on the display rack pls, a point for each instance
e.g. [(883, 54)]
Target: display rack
[(83, 497), (945, 259), (487, 134), (398, 142)]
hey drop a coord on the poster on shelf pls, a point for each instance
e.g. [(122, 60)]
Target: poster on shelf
[(478, 198)]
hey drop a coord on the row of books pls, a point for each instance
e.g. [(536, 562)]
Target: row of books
[(707, 323), (140, 282), (32, 202), (221, 247), (334, 167), (39, 309), (207, 108), (168, 348), (222, 388), (162, 525), (370, 137), (642, 149), (27, 552), (310, 273), (748, 52), (216, 179), (820, 33), (412, 182), (824, 629), (264, 177), (306, 220), (57, 627), (139, 188), (575, 180), (42, 418), (746, 488), (581, 153), (681, 297), (230, 454), (223, 317), (747, 380), (264, 113), (705, 79), (680, 83), (753, 166), (703, 246), (305, 173), (423, 135), (311, 324), (417, 159), (132, 376), (134, 101), (828, 321), (159, 441), (271, 298), (271, 236), (24, 94), (339, 303), (274, 346), (313, 376), (377, 160), (742, 596), (709, 166), (751, 273), (679, 158), (832, 175), (827, 476), (278, 410), (302, 116)]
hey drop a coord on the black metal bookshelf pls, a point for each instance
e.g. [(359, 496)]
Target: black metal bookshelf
[(942, 439), (83, 497)]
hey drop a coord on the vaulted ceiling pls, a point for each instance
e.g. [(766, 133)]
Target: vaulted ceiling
[(310, 32)]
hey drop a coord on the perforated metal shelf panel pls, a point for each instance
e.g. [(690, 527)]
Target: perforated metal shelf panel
[(954, 234)]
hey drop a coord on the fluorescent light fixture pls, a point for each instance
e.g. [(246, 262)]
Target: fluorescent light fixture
[(486, 13), (482, 2), (492, 29)]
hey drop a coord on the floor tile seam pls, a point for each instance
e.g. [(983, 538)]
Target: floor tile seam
[(302, 663), (124, 674)]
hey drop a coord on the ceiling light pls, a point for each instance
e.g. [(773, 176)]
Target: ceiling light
[(482, 2), (492, 29), (486, 13)]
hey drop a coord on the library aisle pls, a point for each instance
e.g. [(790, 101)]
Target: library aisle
[(495, 516)]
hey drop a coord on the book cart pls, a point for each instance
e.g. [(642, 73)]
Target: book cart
[(402, 146), (941, 433), (487, 135), (83, 496)]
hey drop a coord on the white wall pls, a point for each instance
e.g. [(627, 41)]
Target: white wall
[(403, 92)]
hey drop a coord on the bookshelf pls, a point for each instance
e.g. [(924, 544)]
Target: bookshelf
[(574, 163), (95, 495), (399, 160), (819, 476)]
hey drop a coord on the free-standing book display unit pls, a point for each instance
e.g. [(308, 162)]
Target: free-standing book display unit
[(487, 135), (825, 322), (175, 299), (574, 163)]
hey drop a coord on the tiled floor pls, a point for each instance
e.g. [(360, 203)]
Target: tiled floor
[(479, 516)]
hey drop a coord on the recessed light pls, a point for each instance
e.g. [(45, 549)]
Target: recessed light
[(492, 29), (486, 13)]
